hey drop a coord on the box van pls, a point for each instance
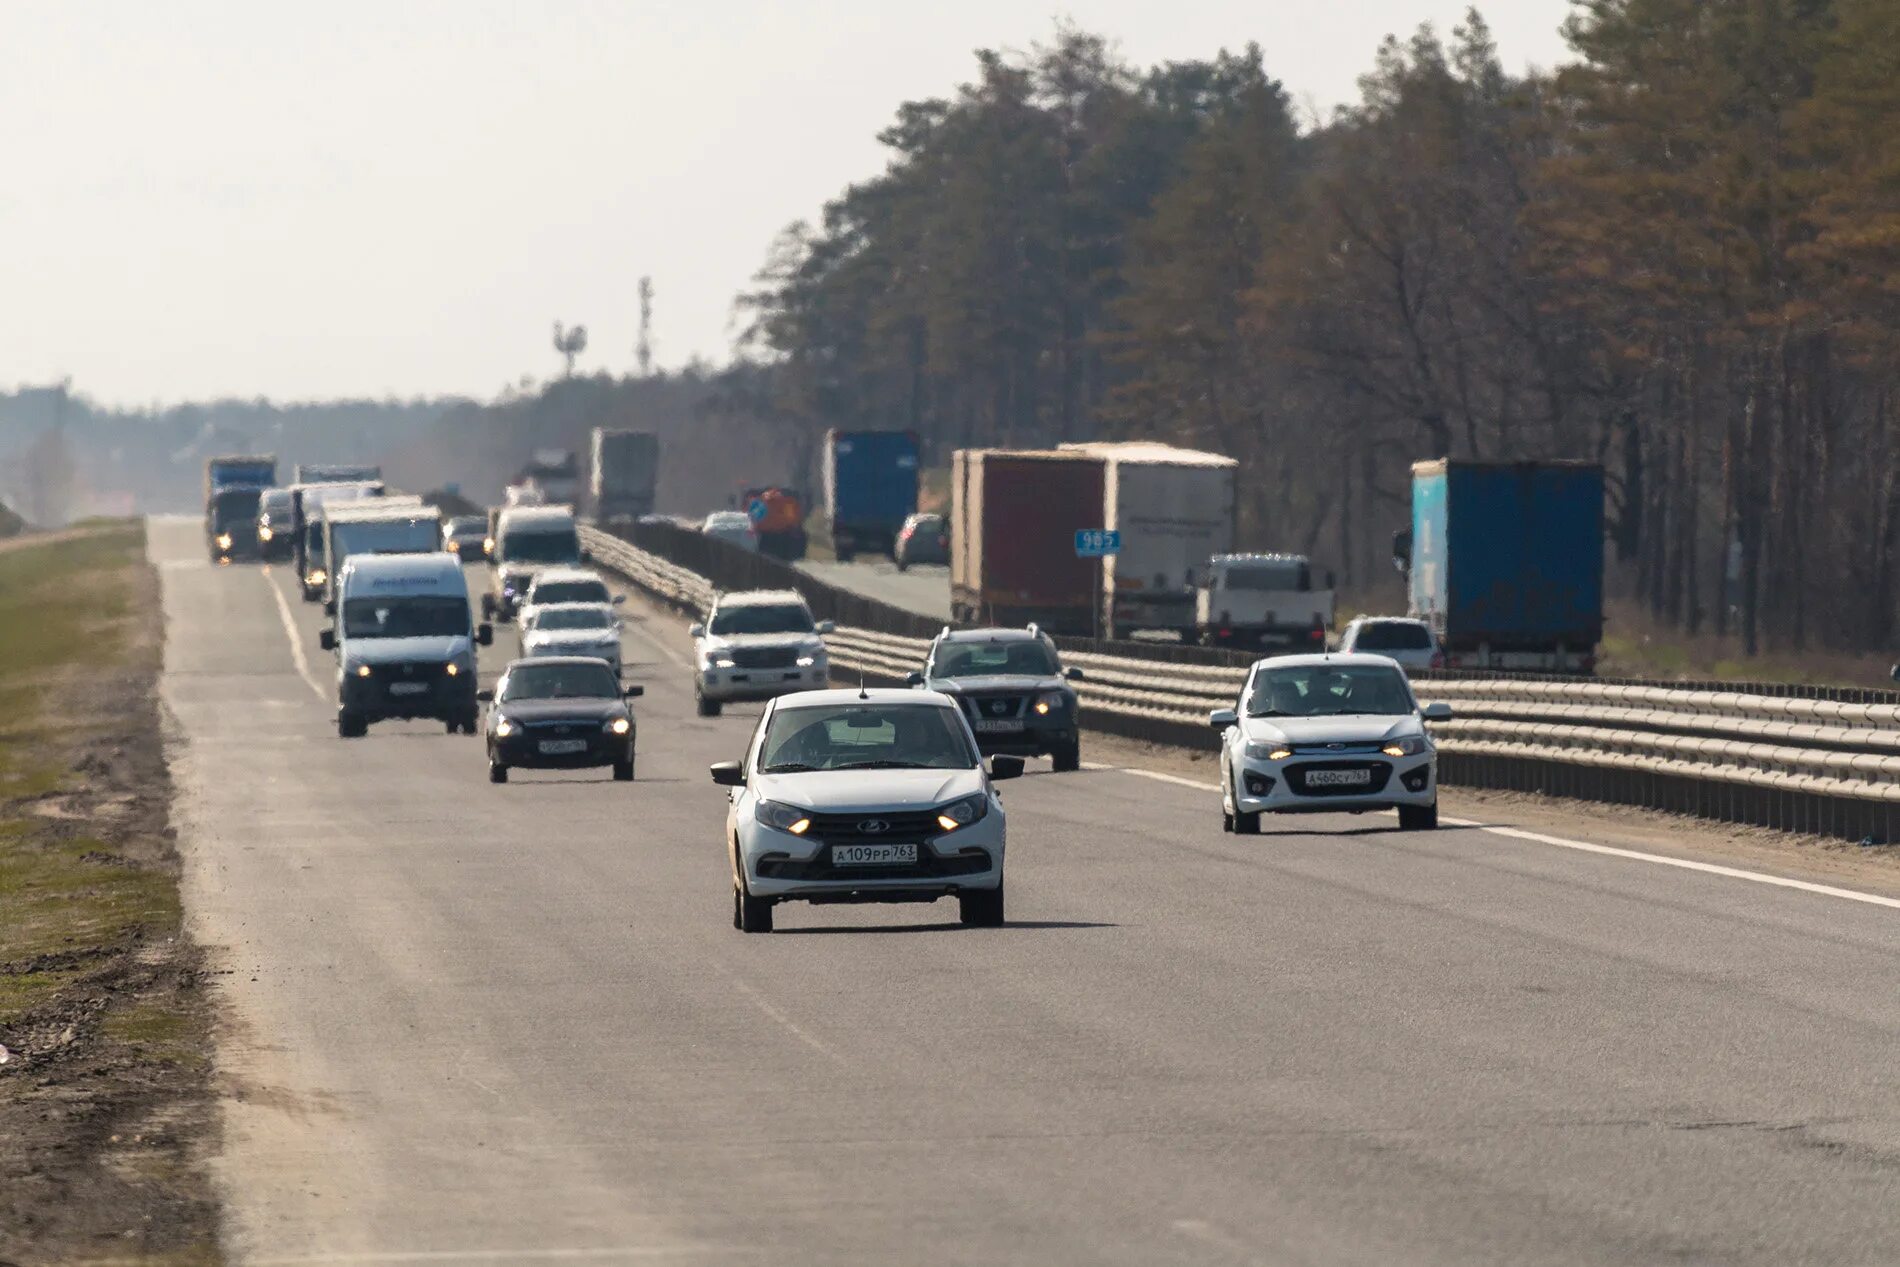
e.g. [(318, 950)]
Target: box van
[(306, 525), (384, 525), (404, 643), (527, 539)]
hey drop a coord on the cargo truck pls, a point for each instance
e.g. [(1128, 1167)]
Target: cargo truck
[(1013, 519), (778, 517), (337, 473), (1265, 602), (870, 489), (623, 470), (1505, 561), (380, 525), (306, 528), (556, 473), (1174, 509), (234, 485)]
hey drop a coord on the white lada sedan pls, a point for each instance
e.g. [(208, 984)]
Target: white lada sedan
[(864, 796), (1327, 734)]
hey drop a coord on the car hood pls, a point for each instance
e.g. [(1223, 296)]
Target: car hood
[(1350, 728), (721, 642), (590, 709), (870, 791), (995, 682), (397, 650), (572, 637)]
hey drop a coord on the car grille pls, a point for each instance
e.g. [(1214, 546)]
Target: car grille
[(560, 729), (764, 657), (994, 707), (407, 671), (873, 827), (1297, 772), (927, 867)]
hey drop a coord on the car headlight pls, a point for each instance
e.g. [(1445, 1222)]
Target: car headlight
[(504, 727), (452, 669), (1054, 701), (362, 670), (807, 661), (781, 817), (958, 814), (224, 541), (1408, 746), (1268, 751), (720, 662), (265, 534), (618, 726), (488, 545), (316, 576)]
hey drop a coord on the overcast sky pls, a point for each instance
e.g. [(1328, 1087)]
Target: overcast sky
[(374, 197)]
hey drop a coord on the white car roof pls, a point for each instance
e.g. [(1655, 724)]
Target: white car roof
[(541, 609), (874, 695), (564, 572), (1344, 659), (759, 598)]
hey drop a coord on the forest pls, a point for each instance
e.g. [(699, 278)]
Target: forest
[(1674, 254)]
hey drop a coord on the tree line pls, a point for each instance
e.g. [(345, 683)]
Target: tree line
[(1675, 254)]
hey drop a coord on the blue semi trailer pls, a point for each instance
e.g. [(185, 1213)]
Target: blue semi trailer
[(1507, 562), (870, 489)]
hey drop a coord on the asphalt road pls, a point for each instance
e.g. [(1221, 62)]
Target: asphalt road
[(924, 588), (483, 1024)]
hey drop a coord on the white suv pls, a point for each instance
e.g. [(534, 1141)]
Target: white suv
[(1410, 642), (1327, 734), (864, 796), (757, 645)]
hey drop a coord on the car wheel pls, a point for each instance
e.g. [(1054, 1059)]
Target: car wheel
[(623, 771), (1068, 758), (350, 726), (1226, 822), (707, 707), (755, 913), (497, 772), (981, 908), (903, 565), (1418, 817), (1247, 824)]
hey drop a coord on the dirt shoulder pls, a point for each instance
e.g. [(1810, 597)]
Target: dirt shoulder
[(106, 1107)]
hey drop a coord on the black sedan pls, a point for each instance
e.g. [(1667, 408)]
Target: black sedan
[(559, 713)]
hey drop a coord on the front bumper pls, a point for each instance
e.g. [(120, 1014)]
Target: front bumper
[(383, 696), (1036, 734), (1284, 787), (780, 865), (523, 748), (729, 685)]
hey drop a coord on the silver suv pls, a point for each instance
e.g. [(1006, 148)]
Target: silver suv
[(757, 645)]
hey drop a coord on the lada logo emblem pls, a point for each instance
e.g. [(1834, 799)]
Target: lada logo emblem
[(998, 708), (873, 826)]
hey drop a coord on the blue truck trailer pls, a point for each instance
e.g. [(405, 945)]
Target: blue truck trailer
[(870, 489), (1506, 562)]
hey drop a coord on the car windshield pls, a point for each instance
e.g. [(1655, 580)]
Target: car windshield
[(762, 618), (1329, 690), (865, 737), (575, 618), (1024, 658), (927, 523), (435, 615), (1392, 635), (560, 681), (557, 545), (275, 503), (1272, 574), (235, 505), (569, 592), (467, 526)]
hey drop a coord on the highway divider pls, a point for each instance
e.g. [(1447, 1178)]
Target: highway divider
[(1825, 766)]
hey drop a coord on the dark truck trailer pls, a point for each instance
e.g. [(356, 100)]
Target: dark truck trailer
[(1013, 519), (870, 489), (1507, 562)]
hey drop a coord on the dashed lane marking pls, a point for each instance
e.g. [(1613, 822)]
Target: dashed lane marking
[(296, 643)]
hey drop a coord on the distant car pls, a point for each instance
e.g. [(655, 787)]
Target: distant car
[(560, 713), (923, 539), (1408, 641), (1011, 685), (276, 520), (566, 585), (733, 527), (757, 644), (1327, 734), (464, 537), (864, 796), (571, 629)]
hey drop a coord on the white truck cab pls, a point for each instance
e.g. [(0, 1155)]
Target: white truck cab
[(404, 642), (1264, 601)]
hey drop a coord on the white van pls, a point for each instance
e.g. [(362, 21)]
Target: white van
[(404, 642)]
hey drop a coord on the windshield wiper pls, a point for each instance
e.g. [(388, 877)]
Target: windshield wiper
[(887, 765), (791, 767), (1274, 712)]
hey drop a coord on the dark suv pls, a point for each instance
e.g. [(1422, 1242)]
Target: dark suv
[(1011, 685)]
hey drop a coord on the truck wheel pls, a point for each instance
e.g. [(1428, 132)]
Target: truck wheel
[(1418, 817), (497, 772), (981, 908), (488, 606), (1068, 758), (706, 707), (623, 771), (755, 914)]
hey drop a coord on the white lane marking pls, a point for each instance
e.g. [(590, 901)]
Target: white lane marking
[(296, 643), (764, 1005), (639, 628), (1582, 846), (505, 1255)]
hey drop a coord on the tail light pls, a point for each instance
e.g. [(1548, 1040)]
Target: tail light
[(1588, 664), (1318, 633), (1438, 659)]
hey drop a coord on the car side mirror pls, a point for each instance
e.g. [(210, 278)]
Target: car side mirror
[(485, 634), (1436, 712), (484, 696), (1005, 768), (635, 692), (619, 599), (696, 631), (327, 639), (728, 773), (1074, 674), (1222, 718), (827, 626), (913, 678)]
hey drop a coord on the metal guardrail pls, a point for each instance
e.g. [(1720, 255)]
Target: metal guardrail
[(1820, 765)]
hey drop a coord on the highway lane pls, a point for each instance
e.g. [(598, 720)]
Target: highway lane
[(924, 589), (514, 1023)]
